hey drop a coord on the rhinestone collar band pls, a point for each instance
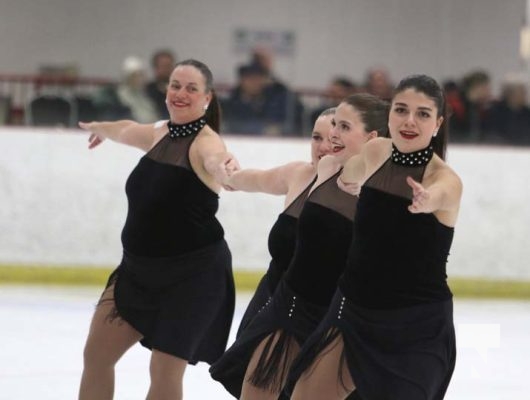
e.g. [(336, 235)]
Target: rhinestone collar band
[(414, 159), (183, 130)]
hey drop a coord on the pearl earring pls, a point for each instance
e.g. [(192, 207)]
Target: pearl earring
[(435, 133), (206, 107)]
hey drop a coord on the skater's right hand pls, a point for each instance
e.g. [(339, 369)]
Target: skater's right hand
[(94, 139)]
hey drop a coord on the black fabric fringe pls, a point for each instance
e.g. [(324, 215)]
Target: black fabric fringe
[(274, 363), (312, 350), (283, 323), (113, 314)]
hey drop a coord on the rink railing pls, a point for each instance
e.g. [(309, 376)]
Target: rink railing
[(62, 204)]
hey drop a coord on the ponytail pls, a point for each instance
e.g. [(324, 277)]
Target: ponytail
[(439, 142), (213, 113)]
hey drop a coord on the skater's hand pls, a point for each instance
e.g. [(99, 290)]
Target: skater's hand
[(352, 188), (94, 139), (420, 197)]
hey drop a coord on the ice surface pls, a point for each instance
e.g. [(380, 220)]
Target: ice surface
[(43, 330)]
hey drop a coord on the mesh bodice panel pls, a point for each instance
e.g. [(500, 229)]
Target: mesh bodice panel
[(330, 196), (396, 258), (391, 178), (324, 233), (171, 211), (295, 208), (172, 151)]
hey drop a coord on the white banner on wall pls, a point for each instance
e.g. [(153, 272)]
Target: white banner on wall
[(277, 41)]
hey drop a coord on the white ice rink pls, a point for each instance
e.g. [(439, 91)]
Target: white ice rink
[(43, 331)]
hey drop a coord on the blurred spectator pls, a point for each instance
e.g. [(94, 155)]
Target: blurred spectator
[(163, 62), (508, 120), (338, 89), (128, 99), (5, 108), (476, 96), (284, 106), (378, 83), (263, 58), (453, 99), (245, 110)]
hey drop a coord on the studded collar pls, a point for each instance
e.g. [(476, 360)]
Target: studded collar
[(414, 159), (188, 129)]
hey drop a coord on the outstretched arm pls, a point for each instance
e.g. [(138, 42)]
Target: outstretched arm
[(354, 169), (359, 167), (272, 181), (127, 132), (327, 167), (215, 159), (442, 195), (220, 165)]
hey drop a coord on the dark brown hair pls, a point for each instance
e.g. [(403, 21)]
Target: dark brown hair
[(161, 53), (373, 111)]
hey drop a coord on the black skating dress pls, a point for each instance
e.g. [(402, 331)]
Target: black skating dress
[(281, 243), (174, 284), (303, 295), (393, 307)]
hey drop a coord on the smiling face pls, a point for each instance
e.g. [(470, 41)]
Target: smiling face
[(349, 133), (187, 94), (413, 120), (320, 141)]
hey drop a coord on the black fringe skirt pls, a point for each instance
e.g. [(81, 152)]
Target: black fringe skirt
[(287, 314), (182, 305), (395, 354)]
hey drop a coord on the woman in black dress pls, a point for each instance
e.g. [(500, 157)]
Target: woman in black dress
[(256, 365), (173, 290), (389, 334), (293, 180)]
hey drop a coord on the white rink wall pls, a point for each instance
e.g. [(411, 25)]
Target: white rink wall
[(63, 204)]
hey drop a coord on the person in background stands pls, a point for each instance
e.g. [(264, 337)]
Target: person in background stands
[(162, 64), (508, 120), (128, 99), (285, 108), (378, 83), (469, 125), (247, 108), (338, 89)]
